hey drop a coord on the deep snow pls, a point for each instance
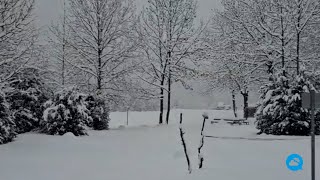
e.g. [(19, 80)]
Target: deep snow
[(146, 151)]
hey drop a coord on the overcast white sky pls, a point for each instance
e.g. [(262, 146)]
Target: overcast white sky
[(49, 10)]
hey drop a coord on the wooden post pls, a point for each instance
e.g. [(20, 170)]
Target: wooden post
[(184, 145), (312, 106), (127, 117), (200, 156), (203, 123), (311, 101)]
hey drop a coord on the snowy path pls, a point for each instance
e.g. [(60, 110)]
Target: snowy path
[(153, 153)]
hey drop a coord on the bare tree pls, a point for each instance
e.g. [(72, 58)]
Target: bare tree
[(152, 34), (182, 42), (17, 36), (102, 41), (169, 39), (250, 39), (305, 17), (233, 65), (62, 52)]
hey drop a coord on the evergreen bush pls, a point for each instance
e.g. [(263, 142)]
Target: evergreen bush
[(7, 126), (67, 112), (280, 110)]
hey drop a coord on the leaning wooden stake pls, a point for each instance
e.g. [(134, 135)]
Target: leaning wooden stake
[(184, 145), (200, 156)]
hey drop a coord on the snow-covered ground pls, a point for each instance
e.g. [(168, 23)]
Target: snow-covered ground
[(145, 151)]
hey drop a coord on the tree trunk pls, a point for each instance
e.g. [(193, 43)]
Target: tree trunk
[(63, 66), (298, 53), (100, 50), (169, 97), (169, 56), (161, 100), (63, 44), (282, 43), (169, 88), (161, 81), (298, 40), (99, 78), (234, 104), (245, 95)]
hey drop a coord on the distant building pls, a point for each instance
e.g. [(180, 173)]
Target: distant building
[(227, 107), (222, 106)]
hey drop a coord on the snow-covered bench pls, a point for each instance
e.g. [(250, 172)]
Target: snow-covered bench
[(214, 121), (238, 121), (231, 121)]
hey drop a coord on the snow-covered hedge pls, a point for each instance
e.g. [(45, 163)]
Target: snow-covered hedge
[(26, 95), (99, 112), (67, 112), (280, 110), (7, 126)]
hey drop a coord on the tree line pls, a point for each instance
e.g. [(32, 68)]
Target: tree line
[(100, 56), (272, 45), (104, 55)]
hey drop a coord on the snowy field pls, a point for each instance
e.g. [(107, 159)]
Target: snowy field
[(145, 151)]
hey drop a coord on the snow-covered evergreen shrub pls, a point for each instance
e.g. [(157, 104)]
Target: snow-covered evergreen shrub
[(26, 95), (7, 126), (66, 112), (99, 113), (280, 111)]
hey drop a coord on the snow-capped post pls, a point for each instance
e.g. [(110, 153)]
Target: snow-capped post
[(200, 156), (205, 117), (130, 103), (184, 144), (309, 101)]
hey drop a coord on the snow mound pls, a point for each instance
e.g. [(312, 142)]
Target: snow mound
[(69, 134)]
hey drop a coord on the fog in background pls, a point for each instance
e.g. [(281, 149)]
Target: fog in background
[(48, 11)]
